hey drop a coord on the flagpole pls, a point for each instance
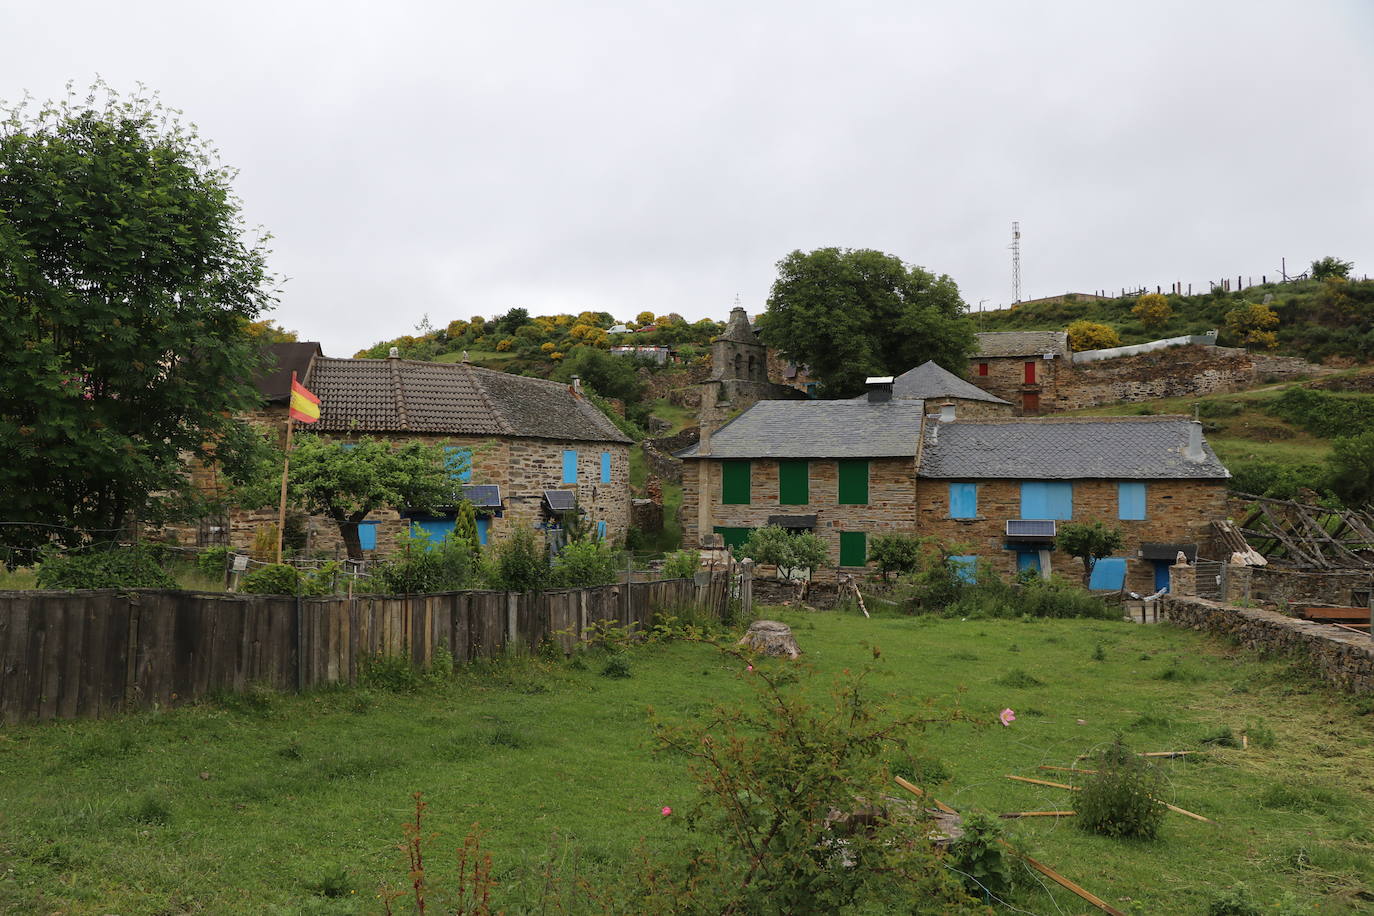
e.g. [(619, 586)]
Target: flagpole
[(285, 467)]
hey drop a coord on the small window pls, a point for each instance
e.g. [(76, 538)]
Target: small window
[(1130, 501), (1030, 372), (853, 548), (734, 483), (963, 500), (367, 535), (794, 483), (982, 368), (601, 531), (459, 462), (570, 465), (965, 567), (853, 474), (1047, 499), (605, 467)]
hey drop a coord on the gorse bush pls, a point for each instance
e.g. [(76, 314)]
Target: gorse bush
[(1120, 799), (121, 567)]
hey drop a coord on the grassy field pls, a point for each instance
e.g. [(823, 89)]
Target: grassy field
[(293, 804)]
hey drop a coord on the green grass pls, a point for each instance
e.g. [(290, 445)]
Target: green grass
[(679, 417), (293, 804)]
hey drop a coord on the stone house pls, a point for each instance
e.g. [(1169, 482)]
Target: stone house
[(998, 486), (534, 448), (1025, 368), (939, 387)]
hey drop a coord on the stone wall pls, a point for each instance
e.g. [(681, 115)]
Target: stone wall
[(523, 468), (1291, 586), (658, 453), (1006, 378), (891, 499), (1176, 511), (1343, 659)]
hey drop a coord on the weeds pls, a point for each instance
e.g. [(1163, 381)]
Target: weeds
[(1119, 800), (1017, 679)]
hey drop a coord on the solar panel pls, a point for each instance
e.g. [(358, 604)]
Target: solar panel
[(1030, 527), (483, 496), (561, 500)]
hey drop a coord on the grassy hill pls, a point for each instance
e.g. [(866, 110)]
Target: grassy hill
[(1329, 320)]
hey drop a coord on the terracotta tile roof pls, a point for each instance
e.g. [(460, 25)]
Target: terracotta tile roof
[(402, 395), (275, 384)]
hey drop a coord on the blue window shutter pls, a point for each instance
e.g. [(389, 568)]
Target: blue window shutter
[(965, 567), (601, 530), (1108, 573), (1034, 500), (605, 467), (963, 500), (460, 462), (436, 527), (483, 527), (570, 465), (1130, 501), (367, 535), (1047, 499), (1060, 499)]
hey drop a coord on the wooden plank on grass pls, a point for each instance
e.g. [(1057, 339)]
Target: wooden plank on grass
[(1059, 879), (1013, 814), (918, 791), (1043, 782), (1059, 785)]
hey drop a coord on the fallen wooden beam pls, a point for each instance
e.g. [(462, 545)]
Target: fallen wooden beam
[(1148, 754), (1060, 785), (918, 791), (1011, 814), (1046, 766)]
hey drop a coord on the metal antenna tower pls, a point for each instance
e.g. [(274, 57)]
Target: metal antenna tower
[(1015, 260)]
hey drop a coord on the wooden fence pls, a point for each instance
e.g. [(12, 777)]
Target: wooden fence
[(73, 654)]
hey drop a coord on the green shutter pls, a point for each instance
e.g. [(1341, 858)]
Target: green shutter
[(734, 483), (853, 482), (733, 537), (794, 482), (853, 548)]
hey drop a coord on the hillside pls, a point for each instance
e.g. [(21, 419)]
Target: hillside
[(1329, 321)]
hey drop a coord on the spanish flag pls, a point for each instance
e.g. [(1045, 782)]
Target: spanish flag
[(305, 407)]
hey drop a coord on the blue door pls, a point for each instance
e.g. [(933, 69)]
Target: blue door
[(483, 526), (1109, 573), (1027, 560), (1161, 574)]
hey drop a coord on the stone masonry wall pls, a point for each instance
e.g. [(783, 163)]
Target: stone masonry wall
[(1292, 587), (523, 468), (1343, 659), (891, 500), (1175, 511), (1006, 379)]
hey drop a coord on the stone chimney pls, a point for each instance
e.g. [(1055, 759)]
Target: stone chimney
[(947, 412), (1194, 450), (395, 353), (879, 389), (577, 384)]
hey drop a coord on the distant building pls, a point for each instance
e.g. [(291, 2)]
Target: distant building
[(1022, 367), (937, 386), (739, 366)]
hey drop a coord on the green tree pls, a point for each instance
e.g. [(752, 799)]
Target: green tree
[(347, 480), (1352, 468), (1152, 310), (465, 525), (1090, 335), (850, 313), (1252, 324), (126, 291), (608, 375), (790, 553), (899, 553), (1089, 543), (1331, 267)]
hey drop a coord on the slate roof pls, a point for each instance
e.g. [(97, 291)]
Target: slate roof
[(1054, 448), (275, 384), (402, 395), (818, 429), (1023, 343), (738, 328), (930, 382)]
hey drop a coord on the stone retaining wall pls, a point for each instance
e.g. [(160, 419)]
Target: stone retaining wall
[(1340, 657)]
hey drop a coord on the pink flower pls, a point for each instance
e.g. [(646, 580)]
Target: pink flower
[(750, 668), (666, 811), (1007, 717)]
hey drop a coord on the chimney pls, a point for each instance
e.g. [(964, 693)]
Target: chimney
[(577, 384), (879, 389), (947, 412), (395, 353), (1194, 451)]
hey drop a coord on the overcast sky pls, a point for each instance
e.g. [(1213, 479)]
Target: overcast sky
[(455, 159)]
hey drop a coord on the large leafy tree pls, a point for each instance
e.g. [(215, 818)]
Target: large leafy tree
[(1089, 542), (851, 313), (126, 287), (347, 480)]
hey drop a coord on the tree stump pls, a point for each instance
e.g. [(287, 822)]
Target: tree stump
[(768, 637)]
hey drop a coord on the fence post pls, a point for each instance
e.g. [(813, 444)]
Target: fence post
[(512, 617), (1224, 583), (746, 587)]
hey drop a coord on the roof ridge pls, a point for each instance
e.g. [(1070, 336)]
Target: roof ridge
[(507, 428), (398, 392)]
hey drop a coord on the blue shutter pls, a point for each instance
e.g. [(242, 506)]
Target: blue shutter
[(1047, 499), (965, 567), (570, 465), (459, 462), (963, 500), (483, 527), (601, 530), (1130, 501), (1108, 573), (435, 527), (605, 467), (367, 535), (1026, 560)]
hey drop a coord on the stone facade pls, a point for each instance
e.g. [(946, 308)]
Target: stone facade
[(1176, 511), (522, 467), (1343, 587), (1031, 383), (1343, 659), (891, 504)]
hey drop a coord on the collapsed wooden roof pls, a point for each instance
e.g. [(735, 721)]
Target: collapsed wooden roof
[(1304, 535)]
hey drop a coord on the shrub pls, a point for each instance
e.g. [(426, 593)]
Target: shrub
[(1278, 480), (681, 565), (1152, 310), (1090, 335), (213, 560), (120, 567), (899, 553), (980, 859), (585, 563), (1251, 324), (617, 666), (272, 579), (788, 552), (520, 564), (1120, 799), (425, 566)]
